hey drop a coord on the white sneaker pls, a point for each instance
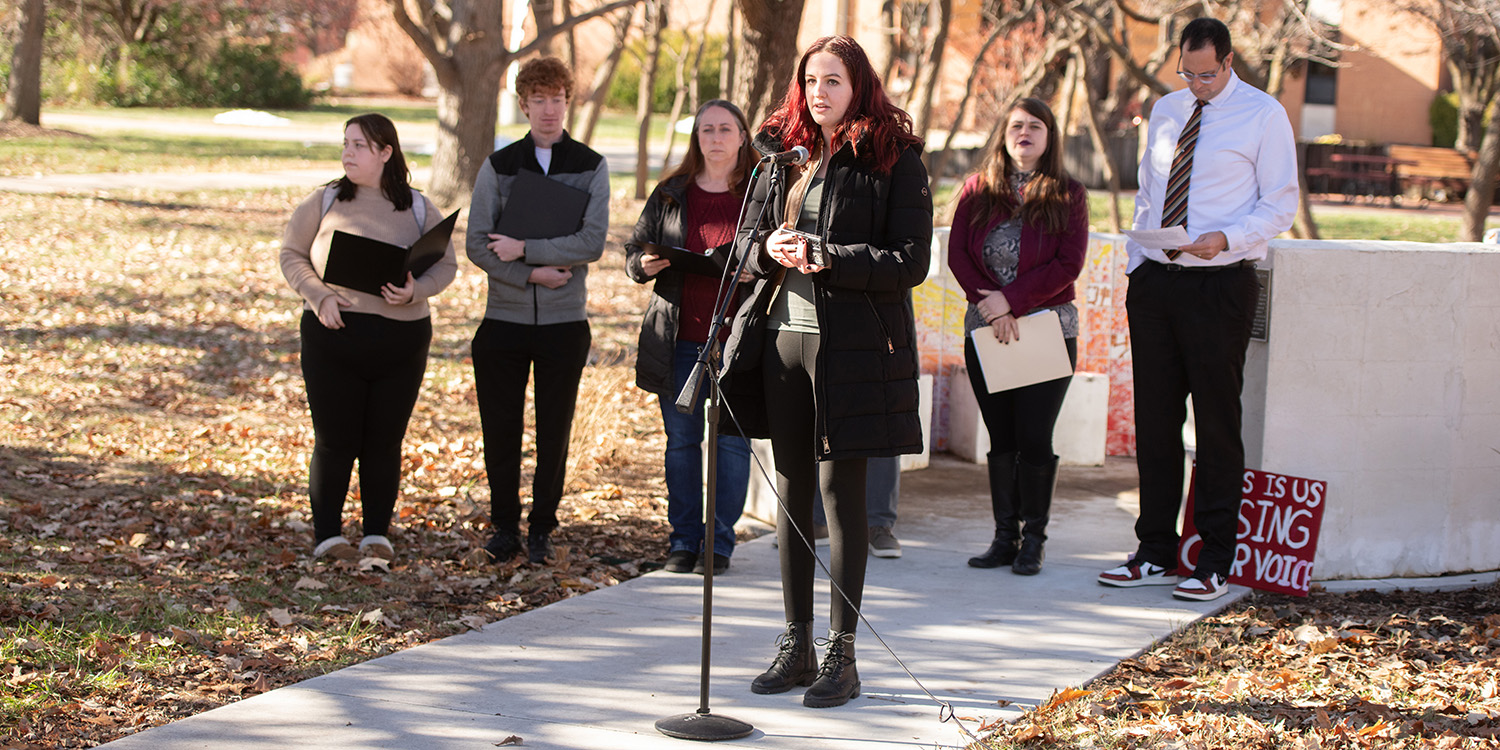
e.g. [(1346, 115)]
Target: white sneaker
[(1134, 573), (1202, 589)]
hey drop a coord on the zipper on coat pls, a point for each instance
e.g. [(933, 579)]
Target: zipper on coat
[(890, 345)]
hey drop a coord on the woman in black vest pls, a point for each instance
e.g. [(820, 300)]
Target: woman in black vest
[(828, 334), (694, 208)]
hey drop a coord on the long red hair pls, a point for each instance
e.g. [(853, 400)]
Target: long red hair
[(877, 129)]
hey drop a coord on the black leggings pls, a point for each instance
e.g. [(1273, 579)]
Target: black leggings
[(362, 383), (789, 371), (1021, 419)]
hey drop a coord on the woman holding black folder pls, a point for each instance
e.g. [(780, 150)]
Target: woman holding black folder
[(1020, 232), (363, 355), (693, 209), (827, 333)]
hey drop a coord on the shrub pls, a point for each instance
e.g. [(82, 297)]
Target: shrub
[(627, 82), (1443, 116)]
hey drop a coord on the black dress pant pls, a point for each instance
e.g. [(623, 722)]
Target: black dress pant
[(504, 356), (1021, 419), (789, 370), (1188, 333), (362, 383)]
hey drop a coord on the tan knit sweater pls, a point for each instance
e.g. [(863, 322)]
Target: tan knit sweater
[(304, 250)]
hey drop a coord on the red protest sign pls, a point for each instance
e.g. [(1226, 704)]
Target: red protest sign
[(1279, 519)]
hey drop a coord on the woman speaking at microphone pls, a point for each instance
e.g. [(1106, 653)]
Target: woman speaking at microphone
[(827, 333)]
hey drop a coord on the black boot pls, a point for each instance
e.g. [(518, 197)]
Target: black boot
[(795, 663), (1002, 550), (1035, 486), (838, 679)]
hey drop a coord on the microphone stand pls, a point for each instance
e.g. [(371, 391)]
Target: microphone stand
[(703, 724)]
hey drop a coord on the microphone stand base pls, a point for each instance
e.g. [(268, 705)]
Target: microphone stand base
[(704, 727)]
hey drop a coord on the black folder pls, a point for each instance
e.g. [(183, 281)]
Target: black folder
[(364, 264), (540, 208), (710, 263)]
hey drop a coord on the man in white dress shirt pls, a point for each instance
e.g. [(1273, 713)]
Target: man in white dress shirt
[(1225, 150)]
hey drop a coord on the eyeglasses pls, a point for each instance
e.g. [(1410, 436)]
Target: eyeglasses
[(1201, 77)]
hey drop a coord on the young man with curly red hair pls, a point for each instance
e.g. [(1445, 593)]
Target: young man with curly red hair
[(535, 316)]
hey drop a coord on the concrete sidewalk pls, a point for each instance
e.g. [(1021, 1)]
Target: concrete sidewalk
[(599, 670)]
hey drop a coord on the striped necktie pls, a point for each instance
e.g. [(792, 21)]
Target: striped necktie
[(1175, 212)]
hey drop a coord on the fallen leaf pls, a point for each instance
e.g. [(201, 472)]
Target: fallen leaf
[(511, 740), (280, 617), (307, 582)]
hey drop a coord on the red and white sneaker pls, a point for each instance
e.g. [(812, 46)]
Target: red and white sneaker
[(1202, 589), (1134, 573)]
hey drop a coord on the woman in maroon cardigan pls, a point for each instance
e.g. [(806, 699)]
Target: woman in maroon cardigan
[(1020, 233)]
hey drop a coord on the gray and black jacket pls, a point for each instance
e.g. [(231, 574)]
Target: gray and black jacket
[(512, 298)]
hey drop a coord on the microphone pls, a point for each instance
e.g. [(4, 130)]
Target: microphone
[(798, 155)]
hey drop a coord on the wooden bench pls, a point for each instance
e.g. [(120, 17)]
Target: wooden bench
[(1440, 174), (1369, 176)]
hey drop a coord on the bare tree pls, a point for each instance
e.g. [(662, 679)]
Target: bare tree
[(768, 56), (655, 22), (23, 98), (464, 42), (688, 60), (927, 75), (604, 75)]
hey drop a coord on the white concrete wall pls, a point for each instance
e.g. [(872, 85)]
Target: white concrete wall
[(1381, 376)]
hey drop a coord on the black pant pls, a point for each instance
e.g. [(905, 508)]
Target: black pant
[(1021, 419), (1188, 333), (362, 383), (789, 370), (504, 354)]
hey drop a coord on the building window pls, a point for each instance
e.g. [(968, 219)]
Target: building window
[(1322, 83)]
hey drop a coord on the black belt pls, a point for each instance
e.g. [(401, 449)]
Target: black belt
[(1175, 267)]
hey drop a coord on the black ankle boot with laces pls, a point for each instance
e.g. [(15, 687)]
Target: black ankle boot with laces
[(838, 679), (795, 664)]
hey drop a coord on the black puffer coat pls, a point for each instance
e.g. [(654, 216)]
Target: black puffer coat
[(878, 233), (661, 222)]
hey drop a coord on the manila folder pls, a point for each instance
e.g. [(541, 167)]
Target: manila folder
[(1038, 356)]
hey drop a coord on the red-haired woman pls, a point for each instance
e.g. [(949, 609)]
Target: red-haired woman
[(828, 333), (695, 208), (1020, 232)]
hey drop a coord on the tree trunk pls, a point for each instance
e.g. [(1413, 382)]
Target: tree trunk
[(1482, 184), (928, 80), (1101, 143), (656, 22), (768, 57), (23, 100), (940, 159), (687, 82), (883, 51), (466, 130), (731, 54), (604, 75), (571, 40)]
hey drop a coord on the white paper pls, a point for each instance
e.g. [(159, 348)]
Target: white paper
[(1040, 354), (1166, 238)]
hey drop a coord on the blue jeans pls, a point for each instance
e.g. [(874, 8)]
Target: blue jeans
[(684, 468), (882, 491)]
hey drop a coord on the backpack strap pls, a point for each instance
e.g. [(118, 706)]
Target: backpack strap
[(418, 206)]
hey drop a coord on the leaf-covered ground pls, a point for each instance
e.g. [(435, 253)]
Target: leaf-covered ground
[(154, 535), (1362, 670)]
